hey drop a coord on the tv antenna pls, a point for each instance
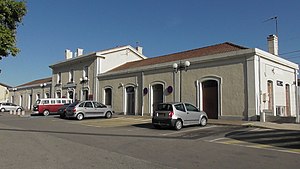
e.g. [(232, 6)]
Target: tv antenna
[(276, 23)]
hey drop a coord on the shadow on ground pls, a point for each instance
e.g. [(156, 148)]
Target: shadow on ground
[(276, 138)]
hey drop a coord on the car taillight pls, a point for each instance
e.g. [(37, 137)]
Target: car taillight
[(171, 114), (74, 109)]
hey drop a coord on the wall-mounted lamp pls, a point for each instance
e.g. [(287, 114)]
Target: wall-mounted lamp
[(83, 79), (179, 67), (43, 85)]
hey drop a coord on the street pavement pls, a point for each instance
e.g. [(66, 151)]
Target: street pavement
[(132, 140)]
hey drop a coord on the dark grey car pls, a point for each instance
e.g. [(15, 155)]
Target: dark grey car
[(88, 109), (178, 115)]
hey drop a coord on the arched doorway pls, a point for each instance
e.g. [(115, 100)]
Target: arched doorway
[(71, 94), (157, 95), (210, 100), (130, 100), (108, 96), (85, 94)]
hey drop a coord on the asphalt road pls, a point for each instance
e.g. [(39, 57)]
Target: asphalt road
[(49, 142)]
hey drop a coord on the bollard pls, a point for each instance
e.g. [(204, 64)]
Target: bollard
[(19, 113), (10, 112), (14, 113), (23, 113)]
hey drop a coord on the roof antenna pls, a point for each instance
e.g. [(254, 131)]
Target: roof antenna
[(276, 23)]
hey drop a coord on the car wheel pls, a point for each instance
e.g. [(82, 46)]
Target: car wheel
[(203, 121), (2, 110), (108, 115), (80, 116), (63, 115), (178, 125), (46, 112)]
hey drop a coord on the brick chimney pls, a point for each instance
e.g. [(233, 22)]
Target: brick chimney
[(139, 49), (68, 54), (273, 44)]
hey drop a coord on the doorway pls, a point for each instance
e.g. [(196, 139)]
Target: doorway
[(210, 100), (157, 95), (130, 100)]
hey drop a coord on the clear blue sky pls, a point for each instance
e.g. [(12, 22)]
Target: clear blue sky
[(160, 26)]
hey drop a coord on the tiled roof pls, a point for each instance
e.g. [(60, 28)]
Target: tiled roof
[(37, 82), (210, 50)]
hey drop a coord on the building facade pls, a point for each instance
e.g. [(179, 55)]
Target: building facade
[(4, 92), (76, 77), (26, 94), (225, 80)]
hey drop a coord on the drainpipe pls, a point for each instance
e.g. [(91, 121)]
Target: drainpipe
[(260, 93), (296, 97), (142, 92)]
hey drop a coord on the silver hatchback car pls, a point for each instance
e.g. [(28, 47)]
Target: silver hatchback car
[(177, 115), (10, 106), (88, 109)]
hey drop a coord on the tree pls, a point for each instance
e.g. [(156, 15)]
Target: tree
[(11, 14)]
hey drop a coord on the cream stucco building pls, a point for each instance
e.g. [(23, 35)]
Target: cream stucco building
[(225, 80), (76, 76), (26, 94), (4, 92)]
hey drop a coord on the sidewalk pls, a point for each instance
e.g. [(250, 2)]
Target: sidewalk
[(270, 125), (280, 126)]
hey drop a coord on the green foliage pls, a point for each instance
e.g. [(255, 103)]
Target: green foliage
[(11, 14)]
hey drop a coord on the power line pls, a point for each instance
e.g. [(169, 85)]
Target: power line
[(295, 51)]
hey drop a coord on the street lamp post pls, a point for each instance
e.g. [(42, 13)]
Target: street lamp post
[(179, 67), (43, 85)]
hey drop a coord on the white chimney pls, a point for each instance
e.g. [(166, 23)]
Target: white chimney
[(273, 44), (68, 54), (139, 49), (79, 52)]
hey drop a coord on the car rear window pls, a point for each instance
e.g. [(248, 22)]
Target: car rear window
[(164, 107)]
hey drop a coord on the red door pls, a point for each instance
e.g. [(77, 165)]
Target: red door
[(210, 98)]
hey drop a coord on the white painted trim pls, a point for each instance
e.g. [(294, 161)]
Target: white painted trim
[(151, 94)]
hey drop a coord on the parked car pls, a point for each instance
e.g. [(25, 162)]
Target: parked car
[(10, 106), (88, 108), (177, 115), (62, 110), (49, 106)]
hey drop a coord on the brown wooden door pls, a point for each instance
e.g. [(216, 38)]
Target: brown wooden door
[(210, 98)]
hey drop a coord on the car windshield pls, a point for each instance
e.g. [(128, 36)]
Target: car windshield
[(37, 102), (164, 107)]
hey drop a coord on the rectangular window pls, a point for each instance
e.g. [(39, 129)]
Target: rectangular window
[(85, 71), (59, 78), (71, 75)]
